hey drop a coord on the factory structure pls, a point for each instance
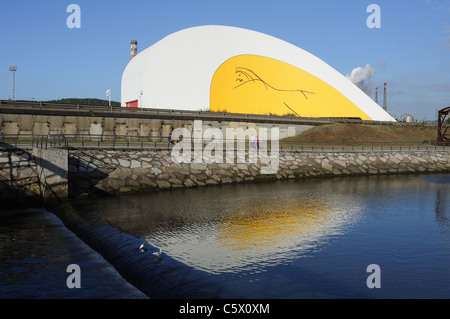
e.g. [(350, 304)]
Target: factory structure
[(235, 70)]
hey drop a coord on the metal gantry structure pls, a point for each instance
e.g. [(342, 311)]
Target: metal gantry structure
[(443, 136)]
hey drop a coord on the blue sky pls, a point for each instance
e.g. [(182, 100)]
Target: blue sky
[(410, 52)]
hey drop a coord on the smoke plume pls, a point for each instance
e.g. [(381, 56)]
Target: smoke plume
[(359, 77)]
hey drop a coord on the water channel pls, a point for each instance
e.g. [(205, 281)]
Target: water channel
[(300, 239), (288, 239)]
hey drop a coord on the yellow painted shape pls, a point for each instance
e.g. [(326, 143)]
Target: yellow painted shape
[(259, 85)]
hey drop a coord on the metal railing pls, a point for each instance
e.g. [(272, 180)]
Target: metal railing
[(84, 141), (88, 141), (360, 146)]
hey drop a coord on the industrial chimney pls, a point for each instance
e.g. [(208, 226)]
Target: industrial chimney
[(376, 95), (384, 101), (13, 69), (133, 49)]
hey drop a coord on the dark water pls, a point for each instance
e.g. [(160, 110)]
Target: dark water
[(292, 239), (35, 251), (296, 239)]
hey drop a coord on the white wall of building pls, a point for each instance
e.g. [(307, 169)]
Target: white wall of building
[(176, 72)]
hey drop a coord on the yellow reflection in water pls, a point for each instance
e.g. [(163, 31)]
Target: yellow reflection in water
[(258, 227), (260, 231)]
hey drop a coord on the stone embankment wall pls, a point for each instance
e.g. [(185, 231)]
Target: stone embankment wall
[(133, 171), (19, 181), (26, 175), (30, 176)]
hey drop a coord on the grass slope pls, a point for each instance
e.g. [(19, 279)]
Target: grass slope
[(367, 133)]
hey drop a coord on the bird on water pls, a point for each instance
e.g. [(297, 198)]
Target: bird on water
[(142, 246), (156, 253)]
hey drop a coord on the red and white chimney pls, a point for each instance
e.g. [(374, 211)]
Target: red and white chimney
[(133, 49)]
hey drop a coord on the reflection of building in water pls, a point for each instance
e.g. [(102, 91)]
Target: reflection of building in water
[(263, 230), (253, 237), (440, 209)]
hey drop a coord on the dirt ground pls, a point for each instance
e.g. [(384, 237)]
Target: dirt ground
[(367, 133)]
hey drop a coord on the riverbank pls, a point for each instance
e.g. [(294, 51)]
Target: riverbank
[(27, 174), (115, 172)]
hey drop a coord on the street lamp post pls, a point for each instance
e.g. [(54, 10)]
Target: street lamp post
[(108, 94)]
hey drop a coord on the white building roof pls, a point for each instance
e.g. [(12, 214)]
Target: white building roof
[(176, 72)]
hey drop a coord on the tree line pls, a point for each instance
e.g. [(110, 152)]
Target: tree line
[(84, 101)]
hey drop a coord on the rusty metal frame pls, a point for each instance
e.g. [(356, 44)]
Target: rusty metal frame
[(443, 137)]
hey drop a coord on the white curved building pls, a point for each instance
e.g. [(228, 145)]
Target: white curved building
[(221, 68)]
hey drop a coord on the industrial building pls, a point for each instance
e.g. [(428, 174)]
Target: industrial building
[(230, 69)]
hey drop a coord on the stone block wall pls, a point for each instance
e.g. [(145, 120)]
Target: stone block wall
[(29, 124), (19, 179), (23, 173), (116, 172), (28, 177)]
